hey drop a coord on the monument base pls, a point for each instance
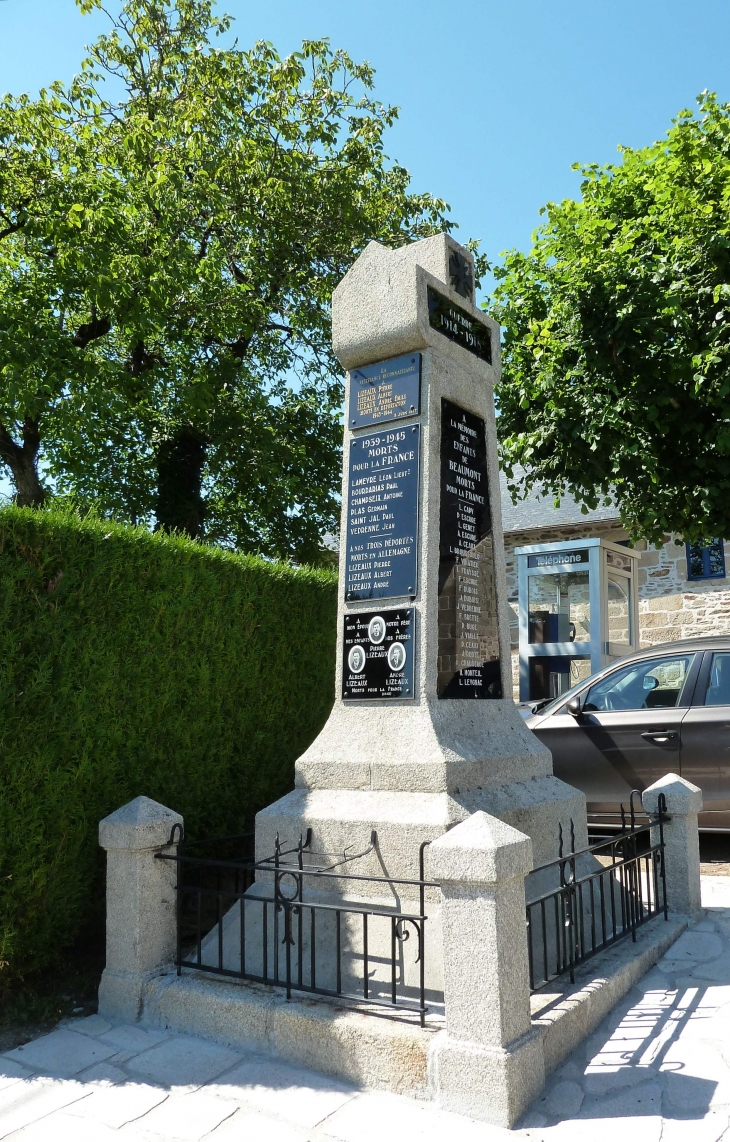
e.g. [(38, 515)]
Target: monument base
[(342, 820), (495, 1085)]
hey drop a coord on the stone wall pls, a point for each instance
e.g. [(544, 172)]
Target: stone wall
[(670, 606)]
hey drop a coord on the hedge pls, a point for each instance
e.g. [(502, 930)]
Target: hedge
[(131, 664)]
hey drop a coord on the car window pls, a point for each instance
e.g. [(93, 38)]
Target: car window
[(652, 684), (718, 689)]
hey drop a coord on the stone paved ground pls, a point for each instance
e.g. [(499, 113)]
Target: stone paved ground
[(657, 1070)]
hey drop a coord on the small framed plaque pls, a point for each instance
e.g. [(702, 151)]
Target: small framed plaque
[(388, 390), (378, 653)]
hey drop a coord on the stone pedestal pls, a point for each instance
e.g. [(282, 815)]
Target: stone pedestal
[(489, 1063), (681, 840), (140, 893)]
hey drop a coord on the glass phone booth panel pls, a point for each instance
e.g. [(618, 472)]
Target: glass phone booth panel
[(577, 612)]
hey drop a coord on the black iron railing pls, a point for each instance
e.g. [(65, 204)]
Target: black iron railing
[(604, 893), (302, 921)]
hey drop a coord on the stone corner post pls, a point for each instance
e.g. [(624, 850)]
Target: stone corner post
[(489, 1063), (681, 840), (140, 903)]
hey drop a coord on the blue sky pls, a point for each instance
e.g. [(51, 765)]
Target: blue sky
[(498, 97)]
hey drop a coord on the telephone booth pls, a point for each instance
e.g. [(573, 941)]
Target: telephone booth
[(578, 611)]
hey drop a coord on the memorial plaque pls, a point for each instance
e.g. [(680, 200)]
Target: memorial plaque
[(459, 326), (468, 665), (382, 525), (378, 651), (388, 390)]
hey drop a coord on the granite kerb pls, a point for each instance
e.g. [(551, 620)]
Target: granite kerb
[(567, 1013), (382, 1052)]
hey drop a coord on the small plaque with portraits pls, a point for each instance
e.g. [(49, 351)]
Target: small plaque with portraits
[(378, 654)]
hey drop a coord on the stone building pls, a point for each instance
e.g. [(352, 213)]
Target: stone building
[(674, 601)]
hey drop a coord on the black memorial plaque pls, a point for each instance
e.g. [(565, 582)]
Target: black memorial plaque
[(377, 659), (388, 390), (458, 325), (382, 524), (468, 665)]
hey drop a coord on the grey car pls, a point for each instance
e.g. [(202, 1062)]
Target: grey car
[(662, 710)]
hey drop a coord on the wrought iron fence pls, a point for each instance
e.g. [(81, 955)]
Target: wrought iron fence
[(302, 920), (604, 893)]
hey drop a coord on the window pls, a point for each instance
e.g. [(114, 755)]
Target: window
[(653, 684), (619, 609), (706, 561), (718, 690)]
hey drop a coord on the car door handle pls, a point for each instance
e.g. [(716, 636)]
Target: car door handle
[(660, 736)]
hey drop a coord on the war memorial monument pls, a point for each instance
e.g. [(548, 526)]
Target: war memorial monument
[(395, 874)]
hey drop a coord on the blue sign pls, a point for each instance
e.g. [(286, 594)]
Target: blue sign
[(382, 523), (388, 390)]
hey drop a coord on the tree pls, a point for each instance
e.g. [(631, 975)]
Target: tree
[(616, 354), (241, 188), (56, 213)]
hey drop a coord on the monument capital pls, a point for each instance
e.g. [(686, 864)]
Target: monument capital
[(417, 297)]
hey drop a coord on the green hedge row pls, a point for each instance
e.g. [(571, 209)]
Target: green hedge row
[(133, 663)]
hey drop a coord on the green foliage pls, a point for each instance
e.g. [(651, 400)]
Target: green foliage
[(617, 336), (176, 222), (135, 664)]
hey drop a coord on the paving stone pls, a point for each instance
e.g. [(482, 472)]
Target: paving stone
[(689, 1092), (601, 1080), (61, 1053), (654, 980), (116, 1105), (710, 1128), (693, 946), (571, 1071), (102, 1074), (697, 1075), (247, 1126), (188, 1117), (25, 1103), (718, 971), (643, 1099), (639, 1128), (532, 1121), (64, 1127), (297, 1095), (132, 1039), (122, 1057), (594, 1045), (91, 1025), (562, 1100), (375, 1115), (12, 1072), (703, 926), (183, 1062)]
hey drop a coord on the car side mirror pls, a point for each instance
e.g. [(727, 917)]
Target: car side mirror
[(573, 706)]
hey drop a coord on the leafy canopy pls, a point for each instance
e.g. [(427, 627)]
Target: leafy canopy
[(616, 356), (174, 286)]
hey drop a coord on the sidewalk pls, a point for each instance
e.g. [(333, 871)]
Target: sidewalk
[(657, 1070)]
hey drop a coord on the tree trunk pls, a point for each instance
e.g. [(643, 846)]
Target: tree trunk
[(22, 460), (180, 462)]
